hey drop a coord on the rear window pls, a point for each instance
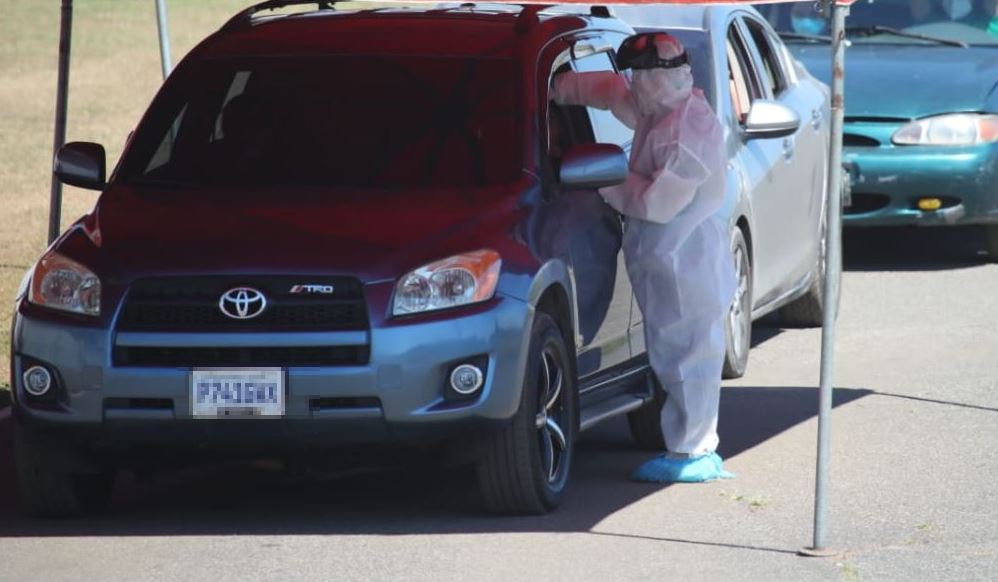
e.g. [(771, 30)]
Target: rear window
[(347, 121)]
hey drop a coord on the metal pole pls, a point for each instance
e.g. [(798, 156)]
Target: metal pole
[(61, 105), (164, 37), (833, 271)]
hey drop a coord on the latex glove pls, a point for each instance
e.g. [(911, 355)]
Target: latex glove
[(627, 197)]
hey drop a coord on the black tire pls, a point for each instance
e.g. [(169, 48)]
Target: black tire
[(56, 480), (646, 422), (808, 310), (516, 474), (738, 323)]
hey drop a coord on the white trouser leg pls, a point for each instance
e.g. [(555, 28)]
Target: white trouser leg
[(693, 388), (684, 294)]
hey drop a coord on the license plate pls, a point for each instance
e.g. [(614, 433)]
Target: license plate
[(237, 392)]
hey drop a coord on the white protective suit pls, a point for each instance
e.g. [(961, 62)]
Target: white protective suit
[(677, 250)]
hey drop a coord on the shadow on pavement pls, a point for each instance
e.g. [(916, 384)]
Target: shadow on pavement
[(934, 401), (913, 249), (765, 330), (242, 499)]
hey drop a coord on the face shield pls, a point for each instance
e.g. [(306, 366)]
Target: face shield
[(641, 51), (661, 76)]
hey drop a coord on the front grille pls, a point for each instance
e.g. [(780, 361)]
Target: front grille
[(856, 140), (220, 357), (192, 304), (863, 203)]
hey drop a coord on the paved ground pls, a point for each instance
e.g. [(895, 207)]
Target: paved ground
[(912, 499)]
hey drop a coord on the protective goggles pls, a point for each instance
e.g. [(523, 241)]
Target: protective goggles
[(639, 52)]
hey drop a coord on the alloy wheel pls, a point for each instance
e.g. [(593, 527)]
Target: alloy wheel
[(551, 416), (738, 316)]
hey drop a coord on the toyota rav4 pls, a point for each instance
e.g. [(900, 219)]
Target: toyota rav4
[(338, 228)]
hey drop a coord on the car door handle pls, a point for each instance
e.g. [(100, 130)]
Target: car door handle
[(788, 148), (816, 119)]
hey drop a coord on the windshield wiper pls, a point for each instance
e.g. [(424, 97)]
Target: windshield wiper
[(816, 38), (862, 31)]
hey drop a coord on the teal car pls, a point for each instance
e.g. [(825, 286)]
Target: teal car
[(921, 127)]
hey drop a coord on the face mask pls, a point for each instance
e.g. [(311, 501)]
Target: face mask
[(957, 9), (807, 24), (658, 91)]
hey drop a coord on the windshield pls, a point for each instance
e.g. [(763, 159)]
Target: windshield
[(345, 121), (969, 21)]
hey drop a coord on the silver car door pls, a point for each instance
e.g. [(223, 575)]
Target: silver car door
[(800, 187), (764, 165)]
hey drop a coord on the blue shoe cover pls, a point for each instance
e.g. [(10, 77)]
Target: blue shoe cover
[(663, 469)]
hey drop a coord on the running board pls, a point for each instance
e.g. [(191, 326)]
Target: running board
[(609, 408)]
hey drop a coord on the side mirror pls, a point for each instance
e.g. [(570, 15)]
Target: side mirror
[(81, 164), (769, 119), (593, 165)]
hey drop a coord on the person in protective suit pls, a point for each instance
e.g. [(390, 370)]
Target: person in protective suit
[(677, 250)]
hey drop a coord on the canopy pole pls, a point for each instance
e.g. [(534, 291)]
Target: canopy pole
[(61, 105), (164, 37), (833, 272)]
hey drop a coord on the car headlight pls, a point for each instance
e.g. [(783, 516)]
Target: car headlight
[(958, 129), (22, 289), (64, 284), (460, 280)]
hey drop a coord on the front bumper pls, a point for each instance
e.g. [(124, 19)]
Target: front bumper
[(887, 181), (398, 397)]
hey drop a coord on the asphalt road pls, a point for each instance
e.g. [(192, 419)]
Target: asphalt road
[(914, 455)]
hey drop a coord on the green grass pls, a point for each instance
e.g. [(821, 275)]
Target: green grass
[(115, 73)]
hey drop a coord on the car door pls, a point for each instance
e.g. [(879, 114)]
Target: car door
[(765, 166), (799, 189), (586, 232)]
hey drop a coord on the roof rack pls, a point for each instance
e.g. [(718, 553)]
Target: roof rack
[(600, 11), (245, 16)]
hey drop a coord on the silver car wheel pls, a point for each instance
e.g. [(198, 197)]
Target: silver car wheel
[(550, 416), (738, 316)]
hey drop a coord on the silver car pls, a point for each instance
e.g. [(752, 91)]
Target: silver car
[(776, 119)]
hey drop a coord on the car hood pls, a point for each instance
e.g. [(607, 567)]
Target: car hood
[(371, 235), (909, 81)]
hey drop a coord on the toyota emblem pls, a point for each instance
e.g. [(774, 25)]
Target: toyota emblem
[(242, 303)]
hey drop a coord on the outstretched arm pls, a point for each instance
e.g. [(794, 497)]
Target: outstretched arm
[(686, 153), (602, 90)]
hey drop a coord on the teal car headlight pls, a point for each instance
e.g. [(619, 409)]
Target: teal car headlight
[(957, 129)]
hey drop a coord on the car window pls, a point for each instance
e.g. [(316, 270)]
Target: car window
[(772, 68), (608, 128), (971, 21), (741, 82), (568, 125), (420, 121)]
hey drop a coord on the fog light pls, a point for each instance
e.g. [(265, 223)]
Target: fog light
[(37, 381), (466, 379), (929, 204)]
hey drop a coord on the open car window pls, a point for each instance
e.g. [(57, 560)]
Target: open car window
[(741, 81), (608, 128), (772, 71)]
